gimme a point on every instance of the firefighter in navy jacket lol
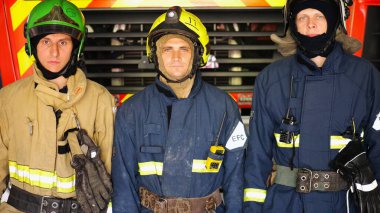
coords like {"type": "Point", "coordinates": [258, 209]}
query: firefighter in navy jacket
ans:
{"type": "Point", "coordinates": [179, 138]}
{"type": "Point", "coordinates": [306, 108]}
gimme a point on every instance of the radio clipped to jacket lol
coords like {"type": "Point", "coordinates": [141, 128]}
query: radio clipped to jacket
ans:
{"type": "Point", "coordinates": [216, 153]}
{"type": "Point", "coordinates": [215, 158]}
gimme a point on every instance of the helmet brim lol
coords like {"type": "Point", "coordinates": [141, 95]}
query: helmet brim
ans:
{"type": "Point", "coordinates": [51, 28]}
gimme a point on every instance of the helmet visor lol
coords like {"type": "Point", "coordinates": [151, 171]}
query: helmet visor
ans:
{"type": "Point", "coordinates": [53, 28]}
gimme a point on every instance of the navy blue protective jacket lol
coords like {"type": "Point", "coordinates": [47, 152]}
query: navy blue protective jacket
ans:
{"type": "Point", "coordinates": [324, 102]}
{"type": "Point", "coordinates": [161, 143]}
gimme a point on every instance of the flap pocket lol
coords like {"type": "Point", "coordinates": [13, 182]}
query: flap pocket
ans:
{"type": "Point", "coordinates": [151, 149]}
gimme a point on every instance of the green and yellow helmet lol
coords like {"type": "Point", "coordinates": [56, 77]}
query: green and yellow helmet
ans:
{"type": "Point", "coordinates": [178, 21]}
{"type": "Point", "coordinates": [55, 16]}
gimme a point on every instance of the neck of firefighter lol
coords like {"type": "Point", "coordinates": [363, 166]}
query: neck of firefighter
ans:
{"type": "Point", "coordinates": [181, 90]}
{"type": "Point", "coordinates": [319, 61]}
{"type": "Point", "coordinates": [60, 81]}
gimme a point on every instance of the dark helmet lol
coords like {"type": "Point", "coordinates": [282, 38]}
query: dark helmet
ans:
{"type": "Point", "coordinates": [335, 14]}
{"type": "Point", "coordinates": [344, 12]}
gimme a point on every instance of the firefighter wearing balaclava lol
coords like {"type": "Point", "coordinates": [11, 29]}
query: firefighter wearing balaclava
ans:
{"type": "Point", "coordinates": [180, 141]}
{"type": "Point", "coordinates": [316, 115]}
{"type": "Point", "coordinates": [48, 117]}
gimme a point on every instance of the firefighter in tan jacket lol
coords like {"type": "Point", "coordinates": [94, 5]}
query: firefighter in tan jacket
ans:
{"type": "Point", "coordinates": [40, 117]}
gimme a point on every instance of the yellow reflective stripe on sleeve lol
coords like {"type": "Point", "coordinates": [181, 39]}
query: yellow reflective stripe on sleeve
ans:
{"type": "Point", "coordinates": [199, 166]}
{"type": "Point", "coordinates": [338, 142]}
{"type": "Point", "coordinates": [287, 145]}
{"type": "Point", "coordinates": [40, 178]}
{"type": "Point", "coordinates": [256, 195]}
{"type": "Point", "coordinates": [151, 168]}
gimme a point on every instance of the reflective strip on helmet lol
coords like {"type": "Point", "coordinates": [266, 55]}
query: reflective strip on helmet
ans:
{"type": "Point", "coordinates": [199, 166]}
{"type": "Point", "coordinates": [256, 195]}
{"type": "Point", "coordinates": [150, 168]}
{"type": "Point", "coordinates": [367, 187]}
{"type": "Point", "coordinates": [40, 178]}
{"type": "Point", "coordinates": [287, 145]}
{"type": "Point", "coordinates": [338, 142]}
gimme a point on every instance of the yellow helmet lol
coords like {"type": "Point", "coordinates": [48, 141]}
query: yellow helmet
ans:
{"type": "Point", "coordinates": [178, 21]}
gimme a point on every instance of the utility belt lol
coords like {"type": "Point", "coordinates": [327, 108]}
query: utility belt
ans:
{"type": "Point", "coordinates": [305, 180]}
{"type": "Point", "coordinates": [28, 202]}
{"type": "Point", "coordinates": [184, 205]}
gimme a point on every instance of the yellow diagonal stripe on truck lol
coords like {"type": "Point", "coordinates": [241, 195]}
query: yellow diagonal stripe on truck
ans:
{"type": "Point", "coordinates": [24, 62]}
{"type": "Point", "coordinates": [276, 3]}
{"type": "Point", "coordinates": [20, 11]}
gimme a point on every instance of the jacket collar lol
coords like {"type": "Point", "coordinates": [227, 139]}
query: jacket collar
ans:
{"type": "Point", "coordinates": [168, 92]}
{"type": "Point", "coordinates": [331, 65]}
{"type": "Point", "coordinates": [49, 93]}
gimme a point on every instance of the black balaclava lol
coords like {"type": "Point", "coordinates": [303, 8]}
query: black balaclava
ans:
{"type": "Point", "coordinates": [320, 45]}
{"type": "Point", "coordinates": [68, 70]}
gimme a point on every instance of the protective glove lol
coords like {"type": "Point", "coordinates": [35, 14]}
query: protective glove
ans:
{"type": "Point", "coordinates": [92, 152]}
{"type": "Point", "coordinates": [93, 183]}
{"type": "Point", "coordinates": [352, 163]}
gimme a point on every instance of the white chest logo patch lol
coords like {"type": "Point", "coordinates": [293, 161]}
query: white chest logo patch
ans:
{"type": "Point", "coordinates": [238, 137]}
{"type": "Point", "coordinates": [376, 124]}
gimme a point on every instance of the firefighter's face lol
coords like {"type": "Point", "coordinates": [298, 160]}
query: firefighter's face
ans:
{"type": "Point", "coordinates": [175, 57]}
{"type": "Point", "coordinates": [311, 22]}
{"type": "Point", "coordinates": [54, 51]}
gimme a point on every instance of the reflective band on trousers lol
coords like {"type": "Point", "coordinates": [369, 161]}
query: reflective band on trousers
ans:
{"type": "Point", "coordinates": [199, 166]}
{"type": "Point", "coordinates": [287, 145]}
{"type": "Point", "coordinates": [40, 178]}
{"type": "Point", "coordinates": [151, 168]}
{"type": "Point", "coordinates": [256, 195]}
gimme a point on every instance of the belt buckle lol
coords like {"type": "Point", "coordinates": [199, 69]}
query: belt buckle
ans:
{"type": "Point", "coordinates": [160, 206]}
{"type": "Point", "coordinates": [210, 205]}
{"type": "Point", "coordinates": [44, 203]}
{"type": "Point", "coordinates": [304, 174]}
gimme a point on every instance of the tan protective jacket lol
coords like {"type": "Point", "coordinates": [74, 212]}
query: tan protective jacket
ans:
{"type": "Point", "coordinates": [30, 133]}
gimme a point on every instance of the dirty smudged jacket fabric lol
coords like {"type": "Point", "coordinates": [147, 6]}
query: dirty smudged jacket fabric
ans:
{"type": "Point", "coordinates": [167, 155]}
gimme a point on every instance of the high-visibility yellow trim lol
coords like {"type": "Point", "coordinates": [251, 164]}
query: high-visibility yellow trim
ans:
{"type": "Point", "coordinates": [276, 3]}
{"type": "Point", "coordinates": [151, 168]}
{"type": "Point", "coordinates": [338, 142]}
{"type": "Point", "coordinates": [199, 166]}
{"type": "Point", "coordinates": [256, 195]}
{"type": "Point", "coordinates": [40, 178]}
{"type": "Point", "coordinates": [24, 61]}
{"type": "Point", "coordinates": [287, 145]}
{"type": "Point", "coordinates": [109, 209]}
{"type": "Point", "coordinates": [20, 11]}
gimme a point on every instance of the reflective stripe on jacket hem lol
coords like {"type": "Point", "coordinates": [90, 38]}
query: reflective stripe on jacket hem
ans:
{"type": "Point", "coordinates": [40, 178]}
